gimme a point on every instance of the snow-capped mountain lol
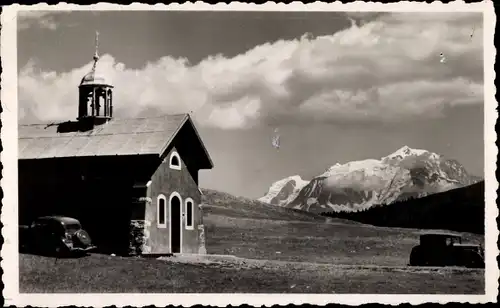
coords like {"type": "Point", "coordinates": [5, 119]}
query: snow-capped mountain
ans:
{"type": "Point", "coordinates": [361, 184]}
{"type": "Point", "coordinates": [284, 191]}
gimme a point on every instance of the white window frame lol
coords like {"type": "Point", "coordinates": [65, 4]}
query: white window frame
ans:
{"type": "Point", "coordinates": [172, 155]}
{"type": "Point", "coordinates": [192, 213]}
{"type": "Point", "coordinates": [165, 209]}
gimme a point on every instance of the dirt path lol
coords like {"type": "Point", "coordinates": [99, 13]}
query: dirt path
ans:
{"type": "Point", "coordinates": [228, 261]}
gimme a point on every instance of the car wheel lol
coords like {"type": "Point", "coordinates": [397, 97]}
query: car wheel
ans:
{"type": "Point", "coordinates": [416, 257]}
{"type": "Point", "coordinates": [61, 250]}
{"type": "Point", "coordinates": [82, 238]}
{"type": "Point", "coordinates": [474, 263]}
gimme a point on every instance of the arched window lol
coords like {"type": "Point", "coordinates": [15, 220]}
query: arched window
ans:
{"type": "Point", "coordinates": [90, 102]}
{"type": "Point", "coordinates": [109, 103]}
{"type": "Point", "coordinates": [189, 210]}
{"type": "Point", "coordinates": [101, 102]}
{"type": "Point", "coordinates": [175, 161]}
{"type": "Point", "coordinates": [161, 212]}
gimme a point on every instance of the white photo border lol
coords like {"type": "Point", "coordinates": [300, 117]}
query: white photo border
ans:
{"type": "Point", "coordinates": [9, 215]}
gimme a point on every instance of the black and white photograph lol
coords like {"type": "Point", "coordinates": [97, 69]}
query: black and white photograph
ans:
{"type": "Point", "coordinates": [280, 152]}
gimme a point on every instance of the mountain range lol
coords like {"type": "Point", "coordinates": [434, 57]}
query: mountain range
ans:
{"type": "Point", "coordinates": [359, 185]}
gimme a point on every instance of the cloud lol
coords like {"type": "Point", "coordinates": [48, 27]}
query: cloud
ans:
{"type": "Point", "coordinates": [41, 19]}
{"type": "Point", "coordinates": [386, 69]}
{"type": "Point", "coordinates": [360, 18]}
{"type": "Point", "coordinates": [357, 180]}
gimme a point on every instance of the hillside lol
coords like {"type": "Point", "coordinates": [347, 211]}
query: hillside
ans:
{"type": "Point", "coordinates": [221, 203]}
{"type": "Point", "coordinates": [251, 229]}
{"type": "Point", "coordinates": [359, 185]}
{"type": "Point", "coordinates": [460, 209]}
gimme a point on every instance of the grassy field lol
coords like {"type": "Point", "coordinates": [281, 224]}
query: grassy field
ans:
{"type": "Point", "coordinates": [251, 229]}
{"type": "Point", "coordinates": [275, 250]}
{"type": "Point", "coordinates": [106, 274]}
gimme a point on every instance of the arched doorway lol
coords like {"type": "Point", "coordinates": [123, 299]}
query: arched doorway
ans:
{"type": "Point", "coordinates": [175, 219]}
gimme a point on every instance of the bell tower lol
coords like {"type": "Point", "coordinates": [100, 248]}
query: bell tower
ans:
{"type": "Point", "coordinates": [95, 94]}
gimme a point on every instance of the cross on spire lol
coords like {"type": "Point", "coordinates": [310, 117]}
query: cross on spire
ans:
{"type": "Point", "coordinates": [95, 97]}
{"type": "Point", "coordinates": [96, 53]}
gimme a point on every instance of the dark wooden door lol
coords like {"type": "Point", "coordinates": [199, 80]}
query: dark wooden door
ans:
{"type": "Point", "coordinates": [175, 225]}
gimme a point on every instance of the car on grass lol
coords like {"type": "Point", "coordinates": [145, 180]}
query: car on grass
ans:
{"type": "Point", "coordinates": [446, 249]}
{"type": "Point", "coordinates": [55, 235]}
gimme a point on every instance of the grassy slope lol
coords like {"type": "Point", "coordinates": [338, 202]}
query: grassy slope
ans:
{"type": "Point", "coordinates": [251, 229]}
{"type": "Point", "coordinates": [220, 203]}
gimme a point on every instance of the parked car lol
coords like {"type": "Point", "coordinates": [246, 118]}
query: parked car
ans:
{"type": "Point", "coordinates": [59, 235]}
{"type": "Point", "coordinates": [446, 249]}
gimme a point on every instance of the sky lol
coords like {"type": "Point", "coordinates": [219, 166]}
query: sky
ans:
{"type": "Point", "coordinates": [335, 86]}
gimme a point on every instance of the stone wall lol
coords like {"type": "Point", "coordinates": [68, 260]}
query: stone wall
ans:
{"type": "Point", "coordinates": [202, 250]}
{"type": "Point", "coordinates": [139, 237]}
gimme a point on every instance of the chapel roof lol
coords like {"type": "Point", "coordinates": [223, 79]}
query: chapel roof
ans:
{"type": "Point", "coordinates": [135, 136]}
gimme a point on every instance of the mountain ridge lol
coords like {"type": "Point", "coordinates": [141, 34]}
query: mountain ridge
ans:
{"type": "Point", "coordinates": [358, 185]}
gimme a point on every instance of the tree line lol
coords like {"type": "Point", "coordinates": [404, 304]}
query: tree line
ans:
{"type": "Point", "coordinates": [460, 210]}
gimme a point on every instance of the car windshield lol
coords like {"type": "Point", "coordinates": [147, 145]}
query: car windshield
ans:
{"type": "Point", "coordinates": [453, 240]}
{"type": "Point", "coordinates": [72, 227]}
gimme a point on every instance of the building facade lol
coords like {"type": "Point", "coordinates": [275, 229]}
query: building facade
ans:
{"type": "Point", "coordinates": [132, 183]}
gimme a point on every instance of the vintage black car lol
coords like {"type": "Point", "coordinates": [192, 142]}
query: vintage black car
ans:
{"type": "Point", "coordinates": [55, 235]}
{"type": "Point", "coordinates": [446, 249]}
